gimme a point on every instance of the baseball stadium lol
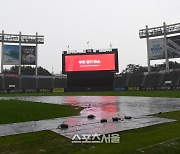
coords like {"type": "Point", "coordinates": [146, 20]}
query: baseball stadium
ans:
{"type": "Point", "coordinates": [91, 107]}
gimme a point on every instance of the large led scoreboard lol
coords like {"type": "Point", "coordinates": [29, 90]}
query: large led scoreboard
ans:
{"type": "Point", "coordinates": [90, 70]}
{"type": "Point", "coordinates": [93, 61]}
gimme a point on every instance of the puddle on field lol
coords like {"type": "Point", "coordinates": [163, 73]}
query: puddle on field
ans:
{"type": "Point", "coordinates": [102, 107]}
{"type": "Point", "coordinates": [108, 106]}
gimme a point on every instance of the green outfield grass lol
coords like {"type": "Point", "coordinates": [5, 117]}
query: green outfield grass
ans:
{"type": "Point", "coordinates": [12, 111]}
{"type": "Point", "coordinates": [175, 94]}
{"type": "Point", "coordinates": [133, 141]}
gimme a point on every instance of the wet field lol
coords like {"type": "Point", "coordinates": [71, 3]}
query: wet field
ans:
{"type": "Point", "coordinates": [102, 107]}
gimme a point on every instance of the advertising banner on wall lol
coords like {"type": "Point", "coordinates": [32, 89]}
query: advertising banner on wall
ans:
{"type": "Point", "coordinates": [10, 55]}
{"type": "Point", "coordinates": [156, 49]}
{"type": "Point", "coordinates": [173, 46]}
{"type": "Point", "coordinates": [28, 55]}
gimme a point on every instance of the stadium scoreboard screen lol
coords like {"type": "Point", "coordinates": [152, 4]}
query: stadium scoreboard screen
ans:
{"type": "Point", "coordinates": [90, 62]}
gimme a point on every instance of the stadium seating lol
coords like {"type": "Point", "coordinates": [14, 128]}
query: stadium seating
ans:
{"type": "Point", "coordinates": [152, 79]}
{"type": "Point", "coordinates": [120, 81]}
{"type": "Point", "coordinates": [1, 83]}
{"type": "Point", "coordinates": [59, 82]}
{"type": "Point", "coordinates": [135, 80]}
{"type": "Point", "coordinates": [28, 83]}
{"type": "Point", "coordinates": [10, 81]}
{"type": "Point", "coordinates": [44, 83]}
{"type": "Point", "coordinates": [172, 76]}
{"type": "Point", "coordinates": [92, 81]}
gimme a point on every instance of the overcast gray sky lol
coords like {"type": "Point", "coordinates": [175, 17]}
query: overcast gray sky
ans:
{"type": "Point", "coordinates": [101, 22]}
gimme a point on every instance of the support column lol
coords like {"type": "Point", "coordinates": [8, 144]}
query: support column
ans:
{"type": "Point", "coordinates": [36, 56]}
{"type": "Point", "coordinates": [165, 47]}
{"type": "Point", "coordinates": [2, 57]}
{"type": "Point", "coordinates": [19, 54]}
{"type": "Point", "coordinates": [19, 60]}
{"type": "Point", "coordinates": [148, 58]}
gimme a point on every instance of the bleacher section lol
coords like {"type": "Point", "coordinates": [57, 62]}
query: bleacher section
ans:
{"type": "Point", "coordinates": [31, 83]}
{"type": "Point", "coordinates": [45, 83]}
{"type": "Point", "coordinates": [10, 81]}
{"type": "Point", "coordinates": [152, 79]}
{"type": "Point", "coordinates": [172, 76]}
{"type": "Point", "coordinates": [1, 83]}
{"type": "Point", "coordinates": [60, 82]}
{"type": "Point", "coordinates": [120, 81]}
{"type": "Point", "coordinates": [135, 80]}
{"type": "Point", "coordinates": [90, 81]}
{"type": "Point", "coordinates": [28, 83]}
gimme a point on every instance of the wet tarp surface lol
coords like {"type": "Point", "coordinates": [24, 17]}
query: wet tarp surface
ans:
{"type": "Point", "coordinates": [102, 107]}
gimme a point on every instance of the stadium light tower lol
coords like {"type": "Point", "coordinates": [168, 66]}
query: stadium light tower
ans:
{"type": "Point", "coordinates": [23, 52]}
{"type": "Point", "coordinates": [155, 32]}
